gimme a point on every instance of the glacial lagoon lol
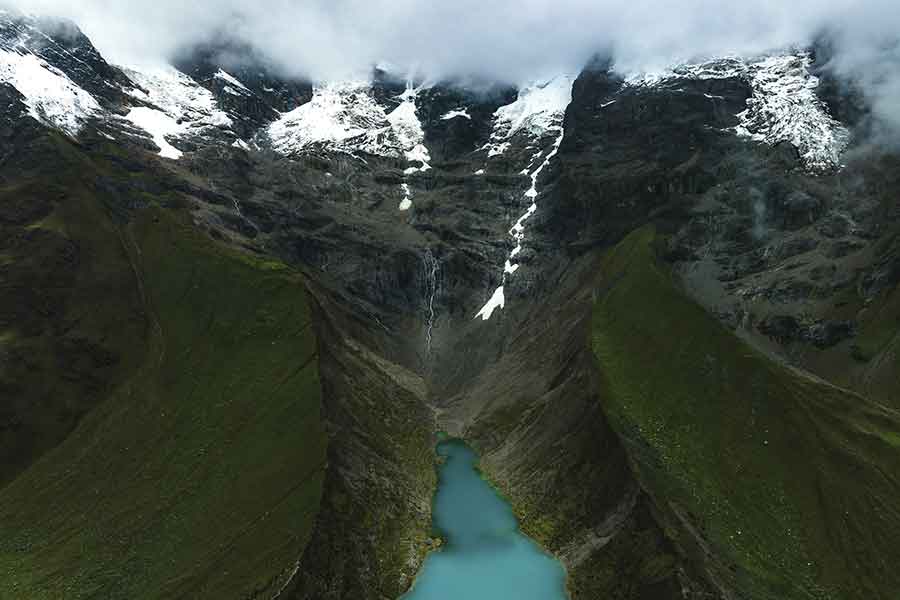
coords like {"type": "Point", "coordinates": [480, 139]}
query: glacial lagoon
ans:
{"type": "Point", "coordinates": [485, 556]}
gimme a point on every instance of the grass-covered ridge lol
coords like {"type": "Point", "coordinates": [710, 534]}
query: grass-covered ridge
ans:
{"type": "Point", "coordinates": [72, 324]}
{"type": "Point", "coordinates": [785, 487]}
{"type": "Point", "coordinates": [198, 473]}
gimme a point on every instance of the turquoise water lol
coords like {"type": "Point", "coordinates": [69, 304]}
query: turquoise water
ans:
{"type": "Point", "coordinates": [485, 556]}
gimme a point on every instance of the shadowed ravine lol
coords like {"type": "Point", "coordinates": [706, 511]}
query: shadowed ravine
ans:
{"type": "Point", "coordinates": [485, 556]}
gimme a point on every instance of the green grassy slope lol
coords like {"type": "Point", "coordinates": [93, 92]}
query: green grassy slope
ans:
{"type": "Point", "coordinates": [71, 320]}
{"type": "Point", "coordinates": [198, 474]}
{"type": "Point", "coordinates": [783, 486]}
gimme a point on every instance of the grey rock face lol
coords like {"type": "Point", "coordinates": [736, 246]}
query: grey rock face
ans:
{"type": "Point", "coordinates": [243, 83]}
{"type": "Point", "coordinates": [62, 44]}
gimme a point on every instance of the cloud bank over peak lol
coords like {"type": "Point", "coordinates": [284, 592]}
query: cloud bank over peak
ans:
{"type": "Point", "coordinates": [502, 39]}
{"type": "Point", "coordinates": [507, 41]}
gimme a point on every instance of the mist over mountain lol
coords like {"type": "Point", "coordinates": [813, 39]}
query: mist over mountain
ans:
{"type": "Point", "coordinates": [510, 41]}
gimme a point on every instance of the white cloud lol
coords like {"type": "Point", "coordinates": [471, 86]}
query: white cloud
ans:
{"type": "Point", "coordinates": [503, 40]}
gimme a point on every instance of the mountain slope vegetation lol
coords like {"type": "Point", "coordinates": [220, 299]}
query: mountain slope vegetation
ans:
{"type": "Point", "coordinates": [198, 471]}
{"type": "Point", "coordinates": [783, 485]}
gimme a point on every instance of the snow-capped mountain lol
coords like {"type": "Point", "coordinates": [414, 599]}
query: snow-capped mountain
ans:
{"type": "Point", "coordinates": [66, 83]}
{"type": "Point", "coordinates": [345, 117]}
{"type": "Point", "coordinates": [174, 106]}
{"type": "Point", "coordinates": [51, 75]}
{"type": "Point", "coordinates": [538, 108]}
{"type": "Point", "coordinates": [785, 108]}
{"type": "Point", "coordinates": [784, 105]}
{"type": "Point", "coordinates": [52, 98]}
{"type": "Point", "coordinates": [62, 46]}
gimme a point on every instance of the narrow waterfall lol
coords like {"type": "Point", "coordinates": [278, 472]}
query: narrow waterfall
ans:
{"type": "Point", "coordinates": [432, 267]}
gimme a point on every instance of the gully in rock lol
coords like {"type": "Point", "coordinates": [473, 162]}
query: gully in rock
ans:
{"type": "Point", "coordinates": [538, 110]}
{"type": "Point", "coordinates": [405, 122]}
{"type": "Point", "coordinates": [517, 231]}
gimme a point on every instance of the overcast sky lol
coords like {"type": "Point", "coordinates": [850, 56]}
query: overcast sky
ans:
{"type": "Point", "coordinates": [499, 39]}
{"type": "Point", "coordinates": [504, 40]}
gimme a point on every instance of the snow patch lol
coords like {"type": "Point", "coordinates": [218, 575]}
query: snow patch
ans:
{"type": "Point", "coordinates": [177, 95]}
{"type": "Point", "coordinates": [721, 68]}
{"type": "Point", "coordinates": [496, 149]}
{"type": "Point", "coordinates": [406, 203]}
{"type": "Point", "coordinates": [784, 107]}
{"type": "Point", "coordinates": [419, 154]}
{"type": "Point", "coordinates": [408, 128]}
{"type": "Point", "coordinates": [496, 301]}
{"type": "Point", "coordinates": [538, 108]}
{"type": "Point", "coordinates": [518, 229]}
{"type": "Point", "coordinates": [180, 106]}
{"type": "Point", "coordinates": [245, 91]}
{"type": "Point", "coordinates": [159, 125]}
{"type": "Point", "coordinates": [51, 97]}
{"type": "Point", "coordinates": [342, 116]}
{"type": "Point", "coordinates": [457, 112]}
{"type": "Point", "coordinates": [337, 112]}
